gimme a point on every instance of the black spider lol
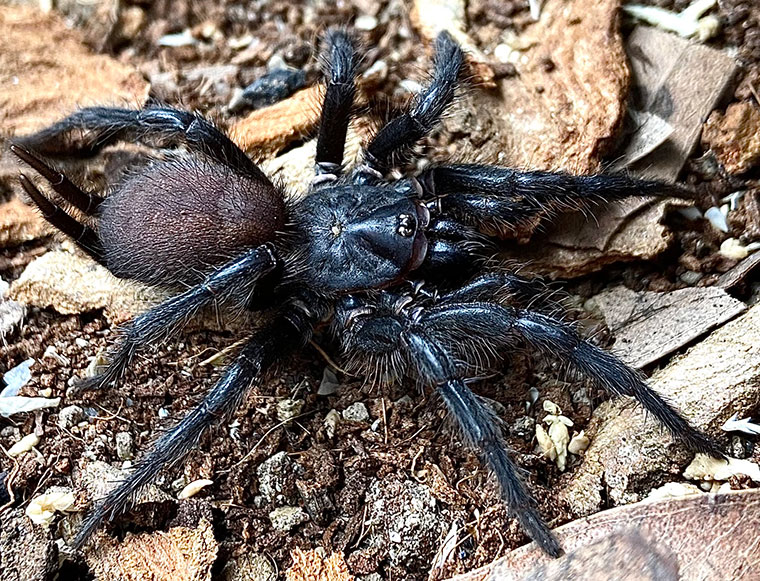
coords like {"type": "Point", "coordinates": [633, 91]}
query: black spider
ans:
{"type": "Point", "coordinates": [354, 251]}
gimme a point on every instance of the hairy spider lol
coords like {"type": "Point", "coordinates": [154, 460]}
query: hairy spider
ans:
{"type": "Point", "coordinates": [355, 252]}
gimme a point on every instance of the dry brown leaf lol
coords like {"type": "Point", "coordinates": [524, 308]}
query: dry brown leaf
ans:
{"type": "Point", "coordinates": [179, 554]}
{"type": "Point", "coordinates": [711, 537]}
{"type": "Point", "coordinates": [314, 566]}
{"type": "Point", "coordinates": [648, 326]}
{"type": "Point", "coordinates": [734, 137]}
{"type": "Point", "coordinates": [46, 72]}
{"type": "Point", "coordinates": [576, 244]}
{"type": "Point", "coordinates": [713, 380]}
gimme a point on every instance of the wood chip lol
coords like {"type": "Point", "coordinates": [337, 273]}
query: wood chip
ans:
{"type": "Point", "coordinates": [47, 72]}
{"type": "Point", "coordinates": [179, 554]}
{"type": "Point", "coordinates": [314, 566]}
{"type": "Point", "coordinates": [648, 326]}
{"type": "Point", "coordinates": [734, 137]}
{"type": "Point", "coordinates": [266, 131]}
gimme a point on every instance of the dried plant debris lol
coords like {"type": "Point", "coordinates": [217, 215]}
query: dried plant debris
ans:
{"type": "Point", "coordinates": [576, 244]}
{"type": "Point", "coordinates": [716, 378]}
{"type": "Point", "coordinates": [665, 539]}
{"type": "Point", "coordinates": [647, 326]}
{"type": "Point", "coordinates": [707, 468]}
{"type": "Point", "coordinates": [663, 69]}
{"type": "Point", "coordinates": [179, 554]}
{"type": "Point", "coordinates": [734, 136]}
{"type": "Point", "coordinates": [41, 509]}
{"type": "Point", "coordinates": [314, 565]}
{"type": "Point", "coordinates": [693, 21]}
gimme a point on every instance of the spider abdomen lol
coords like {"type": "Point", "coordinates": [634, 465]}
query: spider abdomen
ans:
{"type": "Point", "coordinates": [175, 221]}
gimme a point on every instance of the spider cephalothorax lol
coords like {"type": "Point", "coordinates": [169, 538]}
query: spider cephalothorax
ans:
{"type": "Point", "coordinates": [396, 265]}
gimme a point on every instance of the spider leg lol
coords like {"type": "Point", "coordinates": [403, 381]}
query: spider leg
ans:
{"type": "Point", "coordinates": [89, 130]}
{"type": "Point", "coordinates": [232, 281]}
{"type": "Point", "coordinates": [289, 331]}
{"type": "Point", "coordinates": [85, 202]}
{"type": "Point", "coordinates": [385, 328]}
{"type": "Point", "coordinates": [504, 199]}
{"type": "Point", "coordinates": [404, 131]}
{"type": "Point", "coordinates": [84, 236]}
{"type": "Point", "coordinates": [340, 70]}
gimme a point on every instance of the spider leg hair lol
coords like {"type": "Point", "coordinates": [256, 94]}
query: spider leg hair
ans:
{"type": "Point", "coordinates": [404, 131]}
{"type": "Point", "coordinates": [89, 130]}
{"type": "Point", "coordinates": [85, 202]}
{"type": "Point", "coordinates": [85, 237]}
{"type": "Point", "coordinates": [290, 331]}
{"type": "Point", "coordinates": [340, 70]}
{"type": "Point", "coordinates": [505, 199]}
{"type": "Point", "coordinates": [232, 281]}
{"type": "Point", "coordinates": [503, 326]}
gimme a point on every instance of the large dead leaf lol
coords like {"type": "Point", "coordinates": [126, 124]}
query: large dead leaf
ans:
{"type": "Point", "coordinates": [707, 537]}
{"type": "Point", "coordinates": [179, 554]}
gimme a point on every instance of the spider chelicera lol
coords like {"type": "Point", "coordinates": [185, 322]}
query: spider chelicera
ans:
{"type": "Point", "coordinates": [352, 254]}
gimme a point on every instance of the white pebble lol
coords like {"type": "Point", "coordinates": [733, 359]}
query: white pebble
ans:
{"type": "Point", "coordinates": [365, 22]}
{"type": "Point", "coordinates": [717, 219]}
{"type": "Point", "coordinates": [194, 488]}
{"type": "Point", "coordinates": [24, 445]}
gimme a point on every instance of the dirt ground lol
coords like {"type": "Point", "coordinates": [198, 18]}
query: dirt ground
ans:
{"type": "Point", "coordinates": [353, 479]}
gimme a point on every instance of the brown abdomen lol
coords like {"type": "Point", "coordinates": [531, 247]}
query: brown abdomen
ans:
{"type": "Point", "coordinates": [173, 222]}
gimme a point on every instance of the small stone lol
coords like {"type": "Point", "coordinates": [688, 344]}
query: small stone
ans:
{"type": "Point", "coordinates": [163, 413]}
{"type": "Point", "coordinates": [285, 518]}
{"type": "Point", "coordinates": [70, 416]}
{"type": "Point", "coordinates": [124, 446]}
{"type": "Point", "coordinates": [277, 481]}
{"type": "Point", "coordinates": [690, 277]}
{"type": "Point", "coordinates": [287, 409]}
{"type": "Point", "coordinates": [356, 412]}
{"type": "Point", "coordinates": [249, 567]}
{"type": "Point", "coordinates": [365, 22]}
{"type": "Point", "coordinates": [81, 342]}
{"type": "Point", "coordinates": [524, 427]}
{"type": "Point", "coordinates": [275, 86]}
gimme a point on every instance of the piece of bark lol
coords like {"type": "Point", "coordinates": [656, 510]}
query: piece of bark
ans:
{"type": "Point", "coordinates": [46, 72]}
{"type": "Point", "coordinates": [648, 326]}
{"type": "Point", "coordinates": [734, 137]}
{"type": "Point", "coordinates": [663, 72]}
{"type": "Point", "coordinates": [27, 552]}
{"type": "Point", "coordinates": [696, 537]}
{"type": "Point", "coordinates": [179, 554]}
{"type": "Point", "coordinates": [631, 452]}
{"type": "Point", "coordinates": [564, 109]}
{"type": "Point", "coordinates": [266, 131]}
{"type": "Point", "coordinates": [19, 223]}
